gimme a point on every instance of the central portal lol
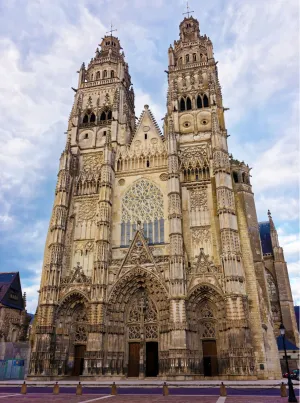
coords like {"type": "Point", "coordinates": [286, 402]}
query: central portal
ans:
{"type": "Point", "coordinates": [142, 331]}
{"type": "Point", "coordinates": [151, 358]}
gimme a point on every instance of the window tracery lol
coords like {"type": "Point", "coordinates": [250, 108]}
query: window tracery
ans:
{"type": "Point", "coordinates": [142, 318]}
{"type": "Point", "coordinates": [143, 202]}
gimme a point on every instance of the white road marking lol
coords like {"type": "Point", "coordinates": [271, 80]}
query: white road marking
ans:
{"type": "Point", "coordinates": [97, 398]}
{"type": "Point", "coordinates": [16, 394]}
{"type": "Point", "coordinates": [221, 399]}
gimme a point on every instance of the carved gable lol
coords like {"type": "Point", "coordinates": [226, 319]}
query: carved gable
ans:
{"type": "Point", "coordinates": [204, 271]}
{"type": "Point", "coordinates": [147, 130]}
{"type": "Point", "coordinates": [138, 254]}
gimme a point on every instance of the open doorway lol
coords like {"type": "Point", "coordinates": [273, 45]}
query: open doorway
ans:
{"type": "Point", "coordinates": [78, 359]}
{"type": "Point", "coordinates": [152, 358]}
{"type": "Point", "coordinates": [210, 357]}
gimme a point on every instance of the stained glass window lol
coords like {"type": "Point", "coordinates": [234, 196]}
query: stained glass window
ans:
{"type": "Point", "coordinates": [143, 202]}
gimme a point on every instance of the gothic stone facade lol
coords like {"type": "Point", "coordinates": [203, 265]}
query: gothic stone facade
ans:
{"type": "Point", "coordinates": [153, 263]}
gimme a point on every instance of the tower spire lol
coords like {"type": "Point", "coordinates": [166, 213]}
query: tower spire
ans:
{"type": "Point", "coordinates": [189, 11]}
{"type": "Point", "coordinates": [111, 30]}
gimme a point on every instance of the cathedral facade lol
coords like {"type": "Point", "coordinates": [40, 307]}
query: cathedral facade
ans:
{"type": "Point", "coordinates": [153, 263]}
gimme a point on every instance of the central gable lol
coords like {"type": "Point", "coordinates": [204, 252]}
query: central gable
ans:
{"type": "Point", "coordinates": [147, 130]}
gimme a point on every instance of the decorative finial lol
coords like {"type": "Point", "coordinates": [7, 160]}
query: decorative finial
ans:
{"type": "Point", "coordinates": [146, 106]}
{"type": "Point", "coordinates": [269, 214]}
{"type": "Point", "coordinates": [188, 12]}
{"type": "Point", "coordinates": [111, 30]}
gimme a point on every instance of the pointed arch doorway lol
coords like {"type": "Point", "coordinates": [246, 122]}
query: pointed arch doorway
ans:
{"type": "Point", "coordinates": [142, 336]}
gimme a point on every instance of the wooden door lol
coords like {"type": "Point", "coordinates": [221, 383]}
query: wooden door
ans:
{"type": "Point", "coordinates": [134, 359]}
{"type": "Point", "coordinates": [151, 358]}
{"type": "Point", "coordinates": [78, 360]}
{"type": "Point", "coordinates": [210, 357]}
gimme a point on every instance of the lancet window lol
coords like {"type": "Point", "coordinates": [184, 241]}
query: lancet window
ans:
{"type": "Point", "coordinates": [202, 101]}
{"type": "Point", "coordinates": [185, 104]}
{"type": "Point", "coordinates": [143, 202]}
{"type": "Point", "coordinates": [89, 118]}
{"type": "Point", "coordinates": [105, 116]}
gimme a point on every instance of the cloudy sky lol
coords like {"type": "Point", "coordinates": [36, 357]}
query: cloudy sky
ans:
{"type": "Point", "coordinates": [42, 45]}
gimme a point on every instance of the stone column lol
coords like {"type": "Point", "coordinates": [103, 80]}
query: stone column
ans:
{"type": "Point", "coordinates": [177, 350]}
{"type": "Point", "coordinates": [238, 351]}
{"type": "Point", "coordinates": [95, 345]}
{"type": "Point", "coordinates": [43, 359]}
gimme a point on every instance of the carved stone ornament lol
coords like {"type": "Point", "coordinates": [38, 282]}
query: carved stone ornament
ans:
{"type": "Point", "coordinates": [202, 265]}
{"type": "Point", "coordinates": [194, 157]}
{"type": "Point", "coordinates": [87, 210]}
{"type": "Point", "coordinates": [198, 198]}
{"type": "Point", "coordinates": [76, 276]}
{"type": "Point", "coordinates": [163, 177]}
{"type": "Point", "coordinates": [92, 162]}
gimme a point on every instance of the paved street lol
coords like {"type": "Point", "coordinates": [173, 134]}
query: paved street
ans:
{"type": "Point", "coordinates": [153, 394]}
{"type": "Point", "coordinates": [63, 398]}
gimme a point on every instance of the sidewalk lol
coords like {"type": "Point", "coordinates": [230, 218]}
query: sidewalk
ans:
{"type": "Point", "coordinates": [152, 382]}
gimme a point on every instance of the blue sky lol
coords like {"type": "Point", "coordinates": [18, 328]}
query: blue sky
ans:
{"type": "Point", "coordinates": [42, 45]}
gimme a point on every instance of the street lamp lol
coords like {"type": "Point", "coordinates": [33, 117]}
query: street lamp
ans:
{"type": "Point", "coordinates": [292, 397]}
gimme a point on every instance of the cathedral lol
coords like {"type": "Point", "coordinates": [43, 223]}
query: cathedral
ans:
{"type": "Point", "coordinates": [155, 264]}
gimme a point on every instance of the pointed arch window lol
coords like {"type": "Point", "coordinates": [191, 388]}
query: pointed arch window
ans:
{"type": "Point", "coordinates": [199, 102]}
{"type": "Point", "coordinates": [105, 116]}
{"type": "Point", "coordinates": [98, 75]}
{"type": "Point", "coordinates": [205, 101]}
{"type": "Point", "coordinates": [188, 104]}
{"type": "Point", "coordinates": [187, 58]}
{"type": "Point", "coordinates": [104, 73]}
{"type": "Point", "coordinates": [182, 105]}
{"type": "Point", "coordinates": [194, 57]}
{"type": "Point", "coordinates": [89, 118]}
{"type": "Point", "coordinates": [112, 74]}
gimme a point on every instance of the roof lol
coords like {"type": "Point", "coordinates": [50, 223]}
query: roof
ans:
{"type": "Point", "coordinates": [288, 344]}
{"type": "Point", "coordinates": [10, 290]}
{"type": "Point", "coordinates": [265, 237]}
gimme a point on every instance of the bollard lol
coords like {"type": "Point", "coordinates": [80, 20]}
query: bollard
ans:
{"type": "Point", "coordinates": [114, 389]}
{"type": "Point", "coordinates": [283, 390]}
{"type": "Point", "coordinates": [79, 389]}
{"type": "Point", "coordinates": [56, 389]}
{"type": "Point", "coordinates": [223, 391]}
{"type": "Point", "coordinates": [165, 389]}
{"type": "Point", "coordinates": [24, 388]}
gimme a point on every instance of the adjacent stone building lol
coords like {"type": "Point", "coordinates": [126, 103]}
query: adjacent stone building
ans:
{"type": "Point", "coordinates": [153, 263]}
{"type": "Point", "coordinates": [14, 320]}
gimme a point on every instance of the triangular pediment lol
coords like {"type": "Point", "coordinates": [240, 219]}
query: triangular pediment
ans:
{"type": "Point", "coordinates": [147, 130]}
{"type": "Point", "coordinates": [138, 253]}
{"type": "Point", "coordinates": [205, 271]}
{"type": "Point", "coordinates": [203, 265]}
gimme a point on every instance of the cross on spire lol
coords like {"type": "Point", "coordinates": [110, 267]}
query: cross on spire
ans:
{"type": "Point", "coordinates": [188, 12]}
{"type": "Point", "coordinates": [111, 30]}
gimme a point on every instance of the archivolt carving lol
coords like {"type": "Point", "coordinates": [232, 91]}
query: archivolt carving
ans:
{"type": "Point", "coordinates": [130, 283]}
